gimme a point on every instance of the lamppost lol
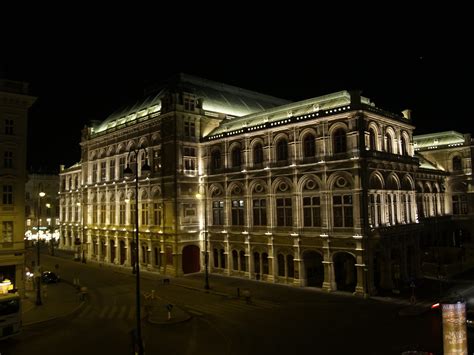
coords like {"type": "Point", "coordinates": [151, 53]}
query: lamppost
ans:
{"type": "Point", "coordinates": [206, 254]}
{"type": "Point", "coordinates": [128, 173]}
{"type": "Point", "coordinates": [79, 241]}
{"type": "Point", "coordinates": [50, 228]}
{"type": "Point", "coordinates": [38, 274]}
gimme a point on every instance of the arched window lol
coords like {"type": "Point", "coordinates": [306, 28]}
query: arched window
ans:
{"type": "Point", "coordinates": [388, 144]}
{"type": "Point", "coordinates": [309, 147]}
{"type": "Point", "coordinates": [339, 139]}
{"type": "Point", "coordinates": [281, 265]}
{"type": "Point", "coordinates": [282, 150]}
{"type": "Point", "coordinates": [257, 154]}
{"type": "Point", "coordinates": [404, 146]}
{"type": "Point", "coordinates": [243, 264]}
{"type": "Point", "coordinates": [457, 163]}
{"type": "Point", "coordinates": [372, 140]}
{"type": "Point", "coordinates": [236, 157]}
{"type": "Point", "coordinates": [235, 260]}
{"type": "Point", "coordinates": [215, 160]}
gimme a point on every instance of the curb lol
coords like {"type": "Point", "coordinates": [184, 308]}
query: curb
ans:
{"type": "Point", "coordinates": [63, 316]}
{"type": "Point", "coordinates": [171, 321]}
{"type": "Point", "coordinates": [76, 310]}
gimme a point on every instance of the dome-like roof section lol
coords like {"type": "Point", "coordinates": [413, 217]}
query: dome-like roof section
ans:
{"type": "Point", "coordinates": [215, 97]}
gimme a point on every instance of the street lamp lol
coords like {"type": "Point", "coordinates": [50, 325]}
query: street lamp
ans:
{"type": "Point", "coordinates": [206, 254]}
{"type": "Point", "coordinates": [38, 275]}
{"type": "Point", "coordinates": [79, 241]}
{"type": "Point", "coordinates": [128, 173]}
{"type": "Point", "coordinates": [50, 228]}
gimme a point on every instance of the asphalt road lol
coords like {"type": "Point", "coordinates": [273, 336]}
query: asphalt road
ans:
{"type": "Point", "coordinates": [280, 320]}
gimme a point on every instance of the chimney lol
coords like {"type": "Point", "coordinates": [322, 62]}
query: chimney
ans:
{"type": "Point", "coordinates": [407, 114]}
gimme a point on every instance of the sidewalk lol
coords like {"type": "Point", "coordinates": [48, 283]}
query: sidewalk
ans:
{"type": "Point", "coordinates": [59, 300]}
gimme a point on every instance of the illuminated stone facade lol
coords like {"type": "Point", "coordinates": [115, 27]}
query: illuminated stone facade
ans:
{"type": "Point", "coordinates": [319, 193]}
{"type": "Point", "coordinates": [14, 104]}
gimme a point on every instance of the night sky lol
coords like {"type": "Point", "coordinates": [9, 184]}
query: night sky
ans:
{"type": "Point", "coordinates": [89, 75]}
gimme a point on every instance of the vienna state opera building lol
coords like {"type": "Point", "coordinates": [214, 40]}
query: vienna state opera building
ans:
{"type": "Point", "coordinates": [330, 192]}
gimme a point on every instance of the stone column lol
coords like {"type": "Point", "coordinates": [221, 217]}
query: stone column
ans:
{"type": "Point", "coordinates": [299, 276]}
{"type": "Point", "coordinates": [329, 283]}
{"type": "Point", "coordinates": [271, 277]}
{"type": "Point", "coordinates": [128, 253]}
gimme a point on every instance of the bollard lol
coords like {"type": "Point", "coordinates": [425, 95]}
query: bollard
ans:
{"type": "Point", "coordinates": [169, 307]}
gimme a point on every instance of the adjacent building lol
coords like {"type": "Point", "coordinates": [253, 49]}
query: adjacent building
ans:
{"type": "Point", "coordinates": [42, 213]}
{"type": "Point", "coordinates": [14, 104]}
{"type": "Point", "coordinates": [323, 192]}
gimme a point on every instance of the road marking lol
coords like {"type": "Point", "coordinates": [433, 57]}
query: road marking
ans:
{"type": "Point", "coordinates": [103, 312]}
{"type": "Point", "coordinates": [122, 312]}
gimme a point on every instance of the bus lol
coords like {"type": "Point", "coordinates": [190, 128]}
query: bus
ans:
{"type": "Point", "coordinates": [10, 315]}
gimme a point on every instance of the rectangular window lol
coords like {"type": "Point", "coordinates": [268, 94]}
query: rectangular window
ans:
{"type": "Point", "coordinates": [9, 127]}
{"type": "Point", "coordinates": [312, 211]}
{"type": "Point", "coordinates": [189, 129]}
{"type": "Point", "coordinates": [459, 204]}
{"type": "Point", "coordinates": [189, 158]}
{"type": "Point", "coordinates": [7, 194]}
{"type": "Point", "coordinates": [157, 214]}
{"type": "Point", "coordinates": [94, 214]}
{"type": "Point", "coordinates": [145, 214]}
{"type": "Point", "coordinates": [122, 214]}
{"type": "Point", "coordinates": [342, 211]}
{"type": "Point", "coordinates": [94, 173]}
{"type": "Point", "coordinates": [237, 212]}
{"type": "Point", "coordinates": [188, 104]}
{"type": "Point", "coordinates": [76, 213]}
{"type": "Point", "coordinates": [103, 169]}
{"type": "Point", "coordinates": [8, 160]}
{"type": "Point", "coordinates": [121, 167]}
{"type": "Point", "coordinates": [218, 213]}
{"type": "Point", "coordinates": [112, 169]}
{"type": "Point", "coordinates": [259, 212]}
{"type": "Point", "coordinates": [112, 212]}
{"type": "Point", "coordinates": [102, 213]}
{"type": "Point", "coordinates": [284, 212]}
{"type": "Point", "coordinates": [7, 231]}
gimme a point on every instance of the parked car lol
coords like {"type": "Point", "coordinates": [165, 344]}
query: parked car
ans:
{"type": "Point", "coordinates": [49, 277]}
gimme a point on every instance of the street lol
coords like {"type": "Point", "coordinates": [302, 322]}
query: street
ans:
{"type": "Point", "coordinates": [279, 319]}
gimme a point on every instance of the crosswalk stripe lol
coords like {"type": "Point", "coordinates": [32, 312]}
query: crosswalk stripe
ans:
{"type": "Point", "coordinates": [103, 312]}
{"type": "Point", "coordinates": [112, 312]}
{"type": "Point", "coordinates": [86, 311]}
{"type": "Point", "coordinates": [131, 313]}
{"type": "Point", "coordinates": [122, 312]}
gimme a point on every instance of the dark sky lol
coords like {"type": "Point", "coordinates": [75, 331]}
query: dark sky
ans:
{"type": "Point", "coordinates": [87, 74]}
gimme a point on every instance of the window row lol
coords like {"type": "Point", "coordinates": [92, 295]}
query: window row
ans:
{"type": "Point", "coordinates": [342, 212]}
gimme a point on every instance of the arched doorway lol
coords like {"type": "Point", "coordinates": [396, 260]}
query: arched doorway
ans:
{"type": "Point", "coordinates": [314, 269]}
{"type": "Point", "coordinates": [123, 252]}
{"type": "Point", "coordinates": [191, 261]}
{"type": "Point", "coordinates": [345, 271]}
